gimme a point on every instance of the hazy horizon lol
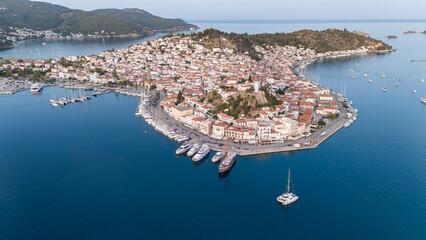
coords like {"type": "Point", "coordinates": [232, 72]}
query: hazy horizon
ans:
{"type": "Point", "coordinates": [268, 10]}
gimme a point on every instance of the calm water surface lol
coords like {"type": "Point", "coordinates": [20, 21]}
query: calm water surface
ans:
{"type": "Point", "coordinates": [89, 170]}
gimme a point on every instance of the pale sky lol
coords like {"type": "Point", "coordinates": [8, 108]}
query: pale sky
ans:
{"type": "Point", "coordinates": [264, 9]}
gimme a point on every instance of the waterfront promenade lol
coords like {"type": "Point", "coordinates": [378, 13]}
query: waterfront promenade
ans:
{"type": "Point", "coordinates": [244, 149]}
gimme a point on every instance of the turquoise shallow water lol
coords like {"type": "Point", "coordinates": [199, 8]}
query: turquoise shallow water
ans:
{"type": "Point", "coordinates": [89, 170]}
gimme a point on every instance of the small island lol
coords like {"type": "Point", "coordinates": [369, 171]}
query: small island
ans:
{"type": "Point", "coordinates": [391, 37]}
{"type": "Point", "coordinates": [410, 32]}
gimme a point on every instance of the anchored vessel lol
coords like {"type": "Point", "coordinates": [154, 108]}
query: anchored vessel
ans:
{"type": "Point", "coordinates": [204, 150]}
{"type": "Point", "coordinates": [227, 162]}
{"type": "Point", "coordinates": [288, 197]}
{"type": "Point", "coordinates": [183, 148]}
{"type": "Point", "coordinates": [217, 157]}
{"type": "Point", "coordinates": [193, 150]}
{"type": "Point", "coordinates": [36, 87]}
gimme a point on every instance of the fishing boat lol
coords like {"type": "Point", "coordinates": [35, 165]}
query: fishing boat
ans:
{"type": "Point", "coordinates": [288, 197]}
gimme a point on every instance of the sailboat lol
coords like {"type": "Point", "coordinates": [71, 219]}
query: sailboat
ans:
{"type": "Point", "coordinates": [384, 88]}
{"type": "Point", "coordinates": [288, 197]}
{"type": "Point", "coordinates": [397, 83]}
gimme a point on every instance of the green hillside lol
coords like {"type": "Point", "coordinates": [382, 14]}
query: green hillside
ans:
{"type": "Point", "coordinates": [46, 16]}
{"type": "Point", "coordinates": [320, 41]}
{"type": "Point", "coordinates": [146, 19]}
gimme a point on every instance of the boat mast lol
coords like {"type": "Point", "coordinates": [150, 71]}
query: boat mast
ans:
{"type": "Point", "coordinates": [288, 181]}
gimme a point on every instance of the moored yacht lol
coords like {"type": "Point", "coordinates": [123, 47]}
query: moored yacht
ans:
{"type": "Point", "coordinates": [183, 148]}
{"type": "Point", "coordinates": [36, 87]}
{"type": "Point", "coordinates": [204, 150]}
{"type": "Point", "coordinates": [288, 197]}
{"type": "Point", "coordinates": [217, 157]}
{"type": "Point", "coordinates": [193, 150]}
{"type": "Point", "coordinates": [423, 100]}
{"type": "Point", "coordinates": [227, 162]}
{"type": "Point", "coordinates": [182, 138]}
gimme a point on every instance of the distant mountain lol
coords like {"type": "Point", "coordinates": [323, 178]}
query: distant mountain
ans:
{"type": "Point", "coordinates": [146, 19]}
{"type": "Point", "coordinates": [44, 16]}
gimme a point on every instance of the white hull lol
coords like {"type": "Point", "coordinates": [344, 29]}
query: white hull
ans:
{"type": "Point", "coordinates": [204, 150]}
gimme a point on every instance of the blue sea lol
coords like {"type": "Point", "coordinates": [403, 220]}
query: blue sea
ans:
{"type": "Point", "coordinates": [93, 170]}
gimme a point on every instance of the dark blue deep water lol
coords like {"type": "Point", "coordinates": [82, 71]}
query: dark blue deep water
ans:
{"type": "Point", "coordinates": [89, 170]}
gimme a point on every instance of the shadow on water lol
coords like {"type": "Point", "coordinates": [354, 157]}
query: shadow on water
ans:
{"type": "Point", "coordinates": [198, 163]}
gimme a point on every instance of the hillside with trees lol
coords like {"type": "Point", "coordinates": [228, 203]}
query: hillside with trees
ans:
{"type": "Point", "coordinates": [45, 16]}
{"type": "Point", "coordinates": [320, 41]}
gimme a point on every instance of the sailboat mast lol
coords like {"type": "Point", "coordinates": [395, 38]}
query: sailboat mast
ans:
{"type": "Point", "coordinates": [288, 181]}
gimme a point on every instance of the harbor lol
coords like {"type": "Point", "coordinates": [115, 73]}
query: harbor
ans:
{"type": "Point", "coordinates": [97, 163]}
{"type": "Point", "coordinates": [174, 130]}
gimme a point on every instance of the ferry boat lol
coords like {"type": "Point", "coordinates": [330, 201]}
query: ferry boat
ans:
{"type": "Point", "coordinates": [183, 148]}
{"type": "Point", "coordinates": [193, 150]}
{"type": "Point", "coordinates": [227, 162]}
{"type": "Point", "coordinates": [204, 150]}
{"type": "Point", "coordinates": [217, 157]}
{"type": "Point", "coordinates": [288, 197]}
{"type": "Point", "coordinates": [36, 87]}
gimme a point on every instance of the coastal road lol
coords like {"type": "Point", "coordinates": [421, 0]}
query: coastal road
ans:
{"type": "Point", "coordinates": [247, 149]}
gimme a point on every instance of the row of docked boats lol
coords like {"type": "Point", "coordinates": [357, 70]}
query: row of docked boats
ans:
{"type": "Point", "coordinates": [143, 110]}
{"type": "Point", "coordinates": [73, 97]}
{"type": "Point", "coordinates": [128, 92]}
{"type": "Point", "coordinates": [198, 152]}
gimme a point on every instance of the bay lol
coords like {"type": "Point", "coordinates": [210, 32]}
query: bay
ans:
{"type": "Point", "coordinates": [89, 170]}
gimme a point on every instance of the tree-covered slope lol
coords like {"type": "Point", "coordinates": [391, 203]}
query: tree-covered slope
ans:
{"type": "Point", "coordinates": [46, 16]}
{"type": "Point", "coordinates": [320, 41]}
{"type": "Point", "coordinates": [145, 19]}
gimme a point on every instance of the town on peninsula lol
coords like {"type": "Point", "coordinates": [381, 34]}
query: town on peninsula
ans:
{"type": "Point", "coordinates": [213, 86]}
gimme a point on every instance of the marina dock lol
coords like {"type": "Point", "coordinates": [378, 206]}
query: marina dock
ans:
{"type": "Point", "coordinates": [159, 119]}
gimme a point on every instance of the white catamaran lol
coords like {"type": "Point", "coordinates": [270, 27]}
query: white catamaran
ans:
{"type": "Point", "coordinates": [288, 197]}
